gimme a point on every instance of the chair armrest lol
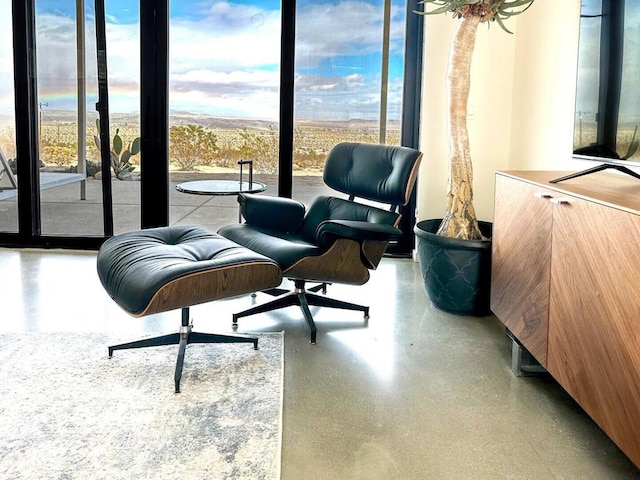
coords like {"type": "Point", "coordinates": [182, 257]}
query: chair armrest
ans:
{"type": "Point", "coordinates": [329, 230]}
{"type": "Point", "coordinates": [273, 213]}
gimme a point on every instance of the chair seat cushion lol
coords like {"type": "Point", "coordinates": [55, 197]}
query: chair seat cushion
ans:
{"type": "Point", "coordinates": [164, 268]}
{"type": "Point", "coordinates": [285, 249]}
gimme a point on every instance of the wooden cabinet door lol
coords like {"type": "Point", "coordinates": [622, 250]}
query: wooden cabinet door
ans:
{"type": "Point", "coordinates": [521, 258]}
{"type": "Point", "coordinates": [594, 324]}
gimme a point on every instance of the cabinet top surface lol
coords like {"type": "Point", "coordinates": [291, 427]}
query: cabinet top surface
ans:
{"type": "Point", "coordinates": [607, 188]}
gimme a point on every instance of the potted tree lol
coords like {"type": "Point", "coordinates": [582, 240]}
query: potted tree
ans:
{"type": "Point", "coordinates": [455, 251]}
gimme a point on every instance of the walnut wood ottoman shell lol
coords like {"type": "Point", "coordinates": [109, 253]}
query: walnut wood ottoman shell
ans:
{"type": "Point", "coordinates": [159, 269]}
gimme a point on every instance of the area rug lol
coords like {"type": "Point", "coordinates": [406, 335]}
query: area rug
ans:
{"type": "Point", "coordinates": [68, 412]}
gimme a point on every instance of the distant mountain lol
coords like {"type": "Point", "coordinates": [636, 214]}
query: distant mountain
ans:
{"type": "Point", "coordinates": [184, 118]}
{"type": "Point", "coordinates": [209, 121]}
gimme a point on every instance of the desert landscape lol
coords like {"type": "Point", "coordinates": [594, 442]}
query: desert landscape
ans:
{"type": "Point", "coordinates": [200, 142]}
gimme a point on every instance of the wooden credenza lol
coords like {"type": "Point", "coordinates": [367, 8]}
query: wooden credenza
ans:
{"type": "Point", "coordinates": [566, 283]}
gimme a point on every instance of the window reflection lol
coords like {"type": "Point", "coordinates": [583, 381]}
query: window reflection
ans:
{"type": "Point", "coordinates": [8, 181]}
{"type": "Point", "coordinates": [607, 111]}
{"type": "Point", "coordinates": [339, 82]}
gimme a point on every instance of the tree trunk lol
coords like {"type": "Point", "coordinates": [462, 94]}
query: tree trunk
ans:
{"type": "Point", "coordinates": [459, 220]}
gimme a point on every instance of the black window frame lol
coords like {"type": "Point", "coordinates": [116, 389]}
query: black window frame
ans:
{"type": "Point", "coordinates": [154, 91]}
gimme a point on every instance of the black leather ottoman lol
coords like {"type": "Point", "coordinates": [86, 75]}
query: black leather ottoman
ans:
{"type": "Point", "coordinates": [159, 269]}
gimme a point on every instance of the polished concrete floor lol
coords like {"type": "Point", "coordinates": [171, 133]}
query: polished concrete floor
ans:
{"type": "Point", "coordinates": [413, 394]}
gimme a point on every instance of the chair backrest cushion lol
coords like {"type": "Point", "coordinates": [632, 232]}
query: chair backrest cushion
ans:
{"type": "Point", "coordinates": [382, 173]}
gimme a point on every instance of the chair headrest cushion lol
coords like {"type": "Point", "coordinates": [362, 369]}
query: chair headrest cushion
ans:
{"type": "Point", "coordinates": [382, 173]}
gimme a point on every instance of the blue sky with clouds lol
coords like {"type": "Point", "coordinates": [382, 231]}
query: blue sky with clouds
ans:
{"type": "Point", "coordinates": [224, 57]}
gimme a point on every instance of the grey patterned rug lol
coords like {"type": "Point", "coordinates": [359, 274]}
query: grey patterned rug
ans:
{"type": "Point", "coordinates": [67, 411]}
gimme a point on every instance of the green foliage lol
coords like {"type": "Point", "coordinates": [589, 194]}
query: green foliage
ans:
{"type": "Point", "coordinates": [487, 10]}
{"type": "Point", "coordinates": [311, 144]}
{"type": "Point", "coordinates": [120, 158]}
{"type": "Point", "coordinates": [261, 147]}
{"type": "Point", "coordinates": [192, 145]}
{"type": "Point", "coordinates": [55, 153]}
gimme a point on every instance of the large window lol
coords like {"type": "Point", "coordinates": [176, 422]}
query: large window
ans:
{"type": "Point", "coordinates": [348, 86]}
{"type": "Point", "coordinates": [273, 83]}
{"type": "Point", "coordinates": [70, 197]}
{"type": "Point", "coordinates": [224, 99]}
{"type": "Point", "coordinates": [8, 183]}
{"type": "Point", "coordinates": [62, 125]}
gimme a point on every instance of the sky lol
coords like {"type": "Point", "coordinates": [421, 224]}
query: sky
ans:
{"type": "Point", "coordinates": [224, 57]}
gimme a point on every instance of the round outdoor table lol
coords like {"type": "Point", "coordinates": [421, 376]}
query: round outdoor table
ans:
{"type": "Point", "coordinates": [221, 187]}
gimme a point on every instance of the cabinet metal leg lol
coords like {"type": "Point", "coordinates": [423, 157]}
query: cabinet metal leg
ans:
{"type": "Point", "coordinates": [522, 362]}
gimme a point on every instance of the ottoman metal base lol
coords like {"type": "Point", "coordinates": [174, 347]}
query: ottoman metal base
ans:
{"type": "Point", "coordinates": [184, 337]}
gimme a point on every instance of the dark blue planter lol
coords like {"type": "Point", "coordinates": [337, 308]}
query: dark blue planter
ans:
{"type": "Point", "coordinates": [456, 273]}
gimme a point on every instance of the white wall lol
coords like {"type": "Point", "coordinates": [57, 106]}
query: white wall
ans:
{"type": "Point", "coordinates": [544, 87]}
{"type": "Point", "coordinates": [521, 101]}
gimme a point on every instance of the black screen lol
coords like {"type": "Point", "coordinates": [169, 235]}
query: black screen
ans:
{"type": "Point", "coordinates": [607, 113]}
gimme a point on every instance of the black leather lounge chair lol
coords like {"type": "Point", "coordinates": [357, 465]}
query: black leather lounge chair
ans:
{"type": "Point", "coordinates": [336, 239]}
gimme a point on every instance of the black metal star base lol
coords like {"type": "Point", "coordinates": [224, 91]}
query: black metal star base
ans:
{"type": "Point", "coordinates": [185, 336]}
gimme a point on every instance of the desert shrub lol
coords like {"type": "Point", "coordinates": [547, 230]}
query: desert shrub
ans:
{"type": "Point", "coordinates": [228, 158]}
{"type": "Point", "coordinates": [191, 145]}
{"type": "Point", "coordinates": [262, 148]}
{"type": "Point", "coordinates": [59, 153]}
{"type": "Point", "coordinates": [309, 160]}
{"type": "Point", "coordinates": [8, 140]}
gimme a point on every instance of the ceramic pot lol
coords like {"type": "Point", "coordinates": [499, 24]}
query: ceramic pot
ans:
{"type": "Point", "coordinates": [456, 273]}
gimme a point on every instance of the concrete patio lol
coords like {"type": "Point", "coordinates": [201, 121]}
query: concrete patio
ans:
{"type": "Point", "coordinates": [64, 213]}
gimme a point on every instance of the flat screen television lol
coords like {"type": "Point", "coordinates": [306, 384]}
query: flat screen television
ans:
{"type": "Point", "coordinates": [607, 112]}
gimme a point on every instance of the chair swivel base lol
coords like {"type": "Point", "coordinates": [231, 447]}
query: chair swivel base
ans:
{"type": "Point", "coordinates": [276, 292]}
{"type": "Point", "coordinates": [303, 299]}
{"type": "Point", "coordinates": [185, 336]}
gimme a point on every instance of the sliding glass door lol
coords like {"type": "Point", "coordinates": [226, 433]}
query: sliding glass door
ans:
{"type": "Point", "coordinates": [348, 82]}
{"type": "Point", "coordinates": [350, 68]}
{"type": "Point", "coordinates": [224, 92]}
{"type": "Point", "coordinates": [71, 195]}
{"type": "Point", "coordinates": [59, 195]}
{"type": "Point", "coordinates": [262, 87]}
{"type": "Point", "coordinates": [62, 119]}
{"type": "Point", "coordinates": [8, 180]}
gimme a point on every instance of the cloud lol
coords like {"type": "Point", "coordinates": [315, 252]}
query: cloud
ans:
{"type": "Point", "coordinates": [225, 61]}
{"type": "Point", "coordinates": [346, 28]}
{"type": "Point", "coordinates": [230, 37]}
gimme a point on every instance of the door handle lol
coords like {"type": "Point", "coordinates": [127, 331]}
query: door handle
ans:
{"type": "Point", "coordinates": [542, 195]}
